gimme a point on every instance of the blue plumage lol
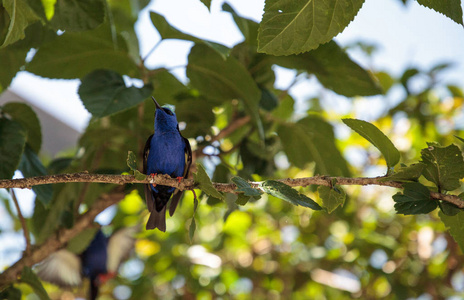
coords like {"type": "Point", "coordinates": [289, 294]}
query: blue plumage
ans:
{"type": "Point", "coordinates": [166, 152]}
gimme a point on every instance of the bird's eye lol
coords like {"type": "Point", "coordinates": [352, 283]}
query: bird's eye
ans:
{"type": "Point", "coordinates": [168, 111]}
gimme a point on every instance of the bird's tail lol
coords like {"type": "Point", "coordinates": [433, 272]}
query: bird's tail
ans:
{"type": "Point", "coordinates": [93, 292]}
{"type": "Point", "coordinates": [157, 220]}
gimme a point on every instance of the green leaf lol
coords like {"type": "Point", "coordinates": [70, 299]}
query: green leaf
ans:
{"type": "Point", "coordinates": [167, 31]}
{"type": "Point", "coordinates": [30, 165]}
{"type": "Point", "coordinates": [247, 27]}
{"type": "Point", "coordinates": [269, 100]}
{"type": "Point", "coordinates": [405, 174]}
{"type": "Point", "coordinates": [224, 80]}
{"type": "Point", "coordinates": [12, 59]}
{"type": "Point", "coordinates": [334, 69]}
{"type": "Point", "coordinates": [459, 138]}
{"type": "Point", "coordinates": [284, 192]}
{"type": "Point", "coordinates": [11, 293]}
{"type": "Point", "coordinates": [207, 3]}
{"type": "Point", "coordinates": [30, 278]}
{"type": "Point", "coordinates": [166, 86]}
{"type": "Point", "coordinates": [448, 208]}
{"type": "Point", "coordinates": [76, 54]}
{"type": "Point", "coordinates": [414, 200]}
{"type": "Point", "coordinates": [12, 143]}
{"type": "Point", "coordinates": [192, 228]}
{"type": "Point", "coordinates": [25, 115]}
{"type": "Point", "coordinates": [455, 225]}
{"type": "Point", "coordinates": [292, 27]}
{"type": "Point", "coordinates": [72, 15]}
{"type": "Point", "coordinates": [444, 166]}
{"type": "Point", "coordinates": [198, 115]}
{"type": "Point", "coordinates": [242, 199]}
{"type": "Point", "coordinates": [204, 183]}
{"type": "Point", "coordinates": [376, 138]}
{"type": "Point", "coordinates": [80, 242]}
{"type": "Point", "coordinates": [132, 164]}
{"type": "Point", "coordinates": [48, 220]}
{"type": "Point", "coordinates": [285, 109]}
{"type": "Point", "coordinates": [20, 16]}
{"type": "Point", "coordinates": [103, 92]}
{"type": "Point", "coordinates": [312, 140]}
{"type": "Point", "coordinates": [331, 197]}
{"type": "Point", "coordinates": [244, 187]}
{"type": "Point", "coordinates": [450, 8]}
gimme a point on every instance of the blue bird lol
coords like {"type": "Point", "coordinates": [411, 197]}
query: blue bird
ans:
{"type": "Point", "coordinates": [166, 152]}
{"type": "Point", "coordinates": [99, 261]}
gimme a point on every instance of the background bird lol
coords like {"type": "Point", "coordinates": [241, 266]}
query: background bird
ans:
{"type": "Point", "coordinates": [166, 152]}
{"type": "Point", "coordinates": [99, 262]}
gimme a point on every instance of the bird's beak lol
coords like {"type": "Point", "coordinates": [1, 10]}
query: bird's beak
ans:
{"type": "Point", "coordinates": [156, 103]}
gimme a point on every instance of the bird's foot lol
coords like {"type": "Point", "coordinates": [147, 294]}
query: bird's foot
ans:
{"type": "Point", "coordinates": [153, 177]}
{"type": "Point", "coordinates": [179, 179]}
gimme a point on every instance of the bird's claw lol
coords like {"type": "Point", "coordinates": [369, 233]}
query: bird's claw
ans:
{"type": "Point", "coordinates": [179, 179]}
{"type": "Point", "coordinates": [153, 177]}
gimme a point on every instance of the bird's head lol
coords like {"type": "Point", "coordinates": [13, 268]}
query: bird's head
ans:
{"type": "Point", "coordinates": [165, 118]}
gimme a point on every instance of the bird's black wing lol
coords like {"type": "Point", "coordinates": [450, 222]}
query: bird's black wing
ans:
{"type": "Point", "coordinates": [188, 162]}
{"type": "Point", "coordinates": [149, 199]}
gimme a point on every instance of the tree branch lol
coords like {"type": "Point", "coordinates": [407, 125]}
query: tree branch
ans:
{"type": "Point", "coordinates": [188, 184]}
{"type": "Point", "coordinates": [23, 222]}
{"type": "Point", "coordinates": [57, 241]}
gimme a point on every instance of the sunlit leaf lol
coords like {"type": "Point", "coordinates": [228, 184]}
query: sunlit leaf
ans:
{"type": "Point", "coordinates": [282, 191]}
{"type": "Point", "coordinates": [376, 138]}
{"type": "Point", "coordinates": [414, 200]}
{"type": "Point", "coordinates": [205, 184]}
{"type": "Point", "coordinates": [19, 16]}
{"type": "Point", "coordinates": [292, 27]}
{"type": "Point", "coordinates": [444, 166]}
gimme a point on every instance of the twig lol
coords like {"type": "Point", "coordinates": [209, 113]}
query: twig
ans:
{"type": "Point", "coordinates": [234, 125]}
{"type": "Point", "coordinates": [23, 222]}
{"type": "Point", "coordinates": [57, 241]}
{"type": "Point", "coordinates": [188, 184]}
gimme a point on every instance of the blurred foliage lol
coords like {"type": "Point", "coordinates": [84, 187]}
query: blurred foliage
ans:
{"type": "Point", "coordinates": [249, 245]}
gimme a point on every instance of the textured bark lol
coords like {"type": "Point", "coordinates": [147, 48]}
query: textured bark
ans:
{"type": "Point", "coordinates": [188, 184]}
